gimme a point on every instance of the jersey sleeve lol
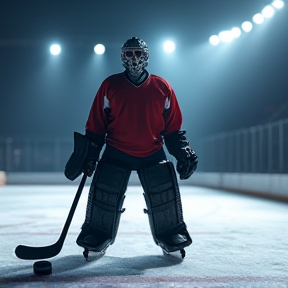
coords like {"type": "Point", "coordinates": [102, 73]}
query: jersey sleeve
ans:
{"type": "Point", "coordinates": [97, 119]}
{"type": "Point", "coordinates": [172, 114]}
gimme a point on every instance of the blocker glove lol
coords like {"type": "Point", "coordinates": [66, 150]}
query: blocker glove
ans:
{"type": "Point", "coordinates": [91, 158]}
{"type": "Point", "coordinates": [178, 146]}
{"type": "Point", "coordinates": [93, 152]}
{"type": "Point", "coordinates": [86, 153]}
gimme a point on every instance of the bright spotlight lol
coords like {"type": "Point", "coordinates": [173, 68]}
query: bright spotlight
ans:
{"type": "Point", "coordinates": [55, 49]}
{"type": "Point", "coordinates": [214, 40]}
{"type": "Point", "coordinates": [247, 26]}
{"type": "Point", "coordinates": [278, 4]}
{"type": "Point", "coordinates": [268, 11]}
{"type": "Point", "coordinates": [258, 18]}
{"type": "Point", "coordinates": [169, 46]}
{"type": "Point", "coordinates": [236, 32]}
{"type": "Point", "coordinates": [99, 49]}
{"type": "Point", "coordinates": [225, 36]}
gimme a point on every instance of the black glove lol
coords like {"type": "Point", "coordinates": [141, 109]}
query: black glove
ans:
{"type": "Point", "coordinates": [186, 163]}
{"type": "Point", "coordinates": [95, 147]}
{"type": "Point", "coordinates": [91, 159]}
{"type": "Point", "coordinates": [178, 146]}
{"type": "Point", "coordinates": [85, 155]}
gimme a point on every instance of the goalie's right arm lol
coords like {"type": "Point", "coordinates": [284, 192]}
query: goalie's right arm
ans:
{"type": "Point", "coordinates": [86, 153]}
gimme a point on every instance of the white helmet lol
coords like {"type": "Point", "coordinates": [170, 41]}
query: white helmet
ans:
{"type": "Point", "coordinates": [134, 56]}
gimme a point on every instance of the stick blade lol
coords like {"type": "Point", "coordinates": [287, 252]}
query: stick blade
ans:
{"type": "Point", "coordinates": [36, 253]}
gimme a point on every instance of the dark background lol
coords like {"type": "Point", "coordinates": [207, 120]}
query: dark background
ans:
{"type": "Point", "coordinates": [219, 88]}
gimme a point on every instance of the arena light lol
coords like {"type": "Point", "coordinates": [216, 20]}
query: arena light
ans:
{"type": "Point", "coordinates": [99, 49]}
{"type": "Point", "coordinates": [236, 32]}
{"type": "Point", "coordinates": [214, 40]}
{"type": "Point", "coordinates": [55, 49]}
{"type": "Point", "coordinates": [278, 4]}
{"type": "Point", "coordinates": [225, 36]}
{"type": "Point", "coordinates": [169, 46]}
{"type": "Point", "coordinates": [268, 11]}
{"type": "Point", "coordinates": [247, 26]}
{"type": "Point", "coordinates": [258, 18]}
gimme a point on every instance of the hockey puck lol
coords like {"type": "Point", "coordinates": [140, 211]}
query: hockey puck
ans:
{"type": "Point", "coordinates": [42, 268]}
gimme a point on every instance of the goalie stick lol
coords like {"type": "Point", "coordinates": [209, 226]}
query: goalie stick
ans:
{"type": "Point", "coordinates": [33, 253]}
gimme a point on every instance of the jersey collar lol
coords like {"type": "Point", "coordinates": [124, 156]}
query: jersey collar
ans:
{"type": "Point", "coordinates": [142, 79]}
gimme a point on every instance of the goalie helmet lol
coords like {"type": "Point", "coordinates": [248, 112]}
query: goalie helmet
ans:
{"type": "Point", "coordinates": [134, 56]}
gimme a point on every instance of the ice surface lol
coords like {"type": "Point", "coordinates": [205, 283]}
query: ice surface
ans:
{"type": "Point", "coordinates": [238, 241]}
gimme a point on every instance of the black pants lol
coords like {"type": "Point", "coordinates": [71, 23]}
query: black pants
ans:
{"type": "Point", "coordinates": [131, 162]}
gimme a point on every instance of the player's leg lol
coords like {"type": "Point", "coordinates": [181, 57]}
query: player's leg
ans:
{"type": "Point", "coordinates": [164, 207]}
{"type": "Point", "coordinates": [104, 207]}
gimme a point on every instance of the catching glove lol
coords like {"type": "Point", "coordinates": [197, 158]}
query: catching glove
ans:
{"type": "Point", "coordinates": [178, 146]}
{"type": "Point", "coordinates": [187, 162]}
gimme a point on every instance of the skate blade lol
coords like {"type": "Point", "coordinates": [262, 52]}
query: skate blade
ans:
{"type": "Point", "coordinates": [94, 255]}
{"type": "Point", "coordinates": [180, 254]}
{"type": "Point", "coordinates": [97, 254]}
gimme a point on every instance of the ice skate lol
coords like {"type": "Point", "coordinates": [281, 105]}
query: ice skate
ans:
{"type": "Point", "coordinates": [93, 255]}
{"type": "Point", "coordinates": [174, 245]}
{"type": "Point", "coordinates": [177, 254]}
{"type": "Point", "coordinates": [96, 244]}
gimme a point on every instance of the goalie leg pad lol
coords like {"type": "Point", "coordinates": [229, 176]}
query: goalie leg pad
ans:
{"type": "Point", "coordinates": [104, 208]}
{"type": "Point", "coordinates": [164, 207]}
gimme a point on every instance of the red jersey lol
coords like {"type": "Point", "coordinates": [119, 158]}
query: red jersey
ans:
{"type": "Point", "coordinates": [134, 118]}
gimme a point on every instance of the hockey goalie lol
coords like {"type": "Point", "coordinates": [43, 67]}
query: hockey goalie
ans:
{"type": "Point", "coordinates": [134, 114]}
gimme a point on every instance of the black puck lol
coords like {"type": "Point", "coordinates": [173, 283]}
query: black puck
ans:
{"type": "Point", "coordinates": [42, 268]}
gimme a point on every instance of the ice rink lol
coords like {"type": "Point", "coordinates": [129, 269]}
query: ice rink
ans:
{"type": "Point", "coordinates": [238, 241]}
